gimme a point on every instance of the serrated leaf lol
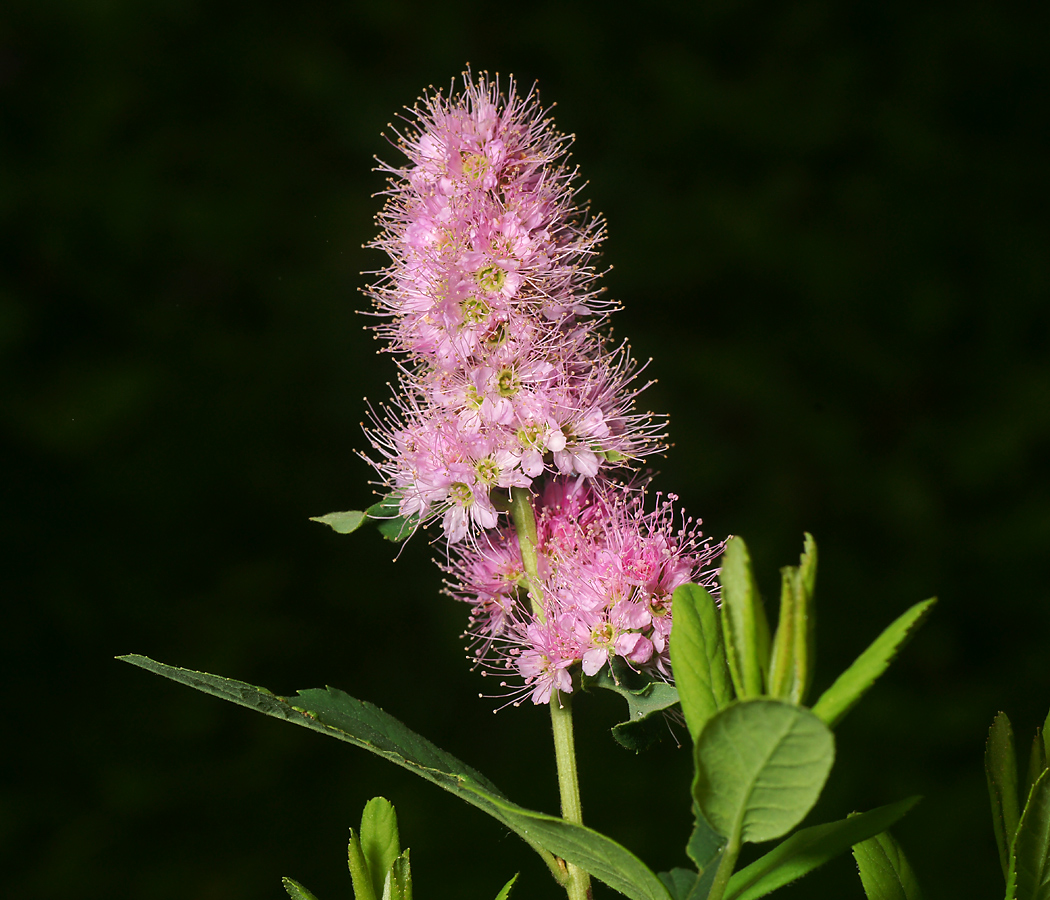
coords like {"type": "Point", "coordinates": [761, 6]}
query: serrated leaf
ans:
{"type": "Point", "coordinates": [397, 884]}
{"type": "Point", "coordinates": [360, 875]}
{"type": "Point", "coordinates": [884, 869]}
{"type": "Point", "coordinates": [679, 882]}
{"type": "Point", "coordinates": [343, 522]}
{"type": "Point", "coordinates": [645, 699]}
{"type": "Point", "coordinates": [852, 684]}
{"type": "Point", "coordinates": [505, 890]}
{"type": "Point", "coordinates": [809, 849]}
{"type": "Point", "coordinates": [1029, 874]}
{"type": "Point", "coordinates": [744, 623]}
{"type": "Point", "coordinates": [336, 714]}
{"type": "Point", "coordinates": [380, 842]}
{"type": "Point", "coordinates": [760, 766]}
{"type": "Point", "coordinates": [1000, 768]}
{"type": "Point", "coordinates": [296, 891]}
{"type": "Point", "coordinates": [1037, 762]}
{"type": "Point", "coordinates": [698, 657]}
{"type": "Point", "coordinates": [791, 662]}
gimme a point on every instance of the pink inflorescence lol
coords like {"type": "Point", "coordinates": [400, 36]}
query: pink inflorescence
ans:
{"type": "Point", "coordinates": [607, 570]}
{"type": "Point", "coordinates": [491, 301]}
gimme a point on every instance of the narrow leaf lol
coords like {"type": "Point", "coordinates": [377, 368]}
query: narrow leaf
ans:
{"type": "Point", "coordinates": [1029, 874]}
{"type": "Point", "coordinates": [760, 767]}
{"type": "Point", "coordinates": [852, 684]}
{"type": "Point", "coordinates": [343, 522]}
{"type": "Point", "coordinates": [380, 843]}
{"type": "Point", "coordinates": [505, 891]}
{"type": "Point", "coordinates": [398, 882]}
{"type": "Point", "coordinates": [809, 849]}
{"type": "Point", "coordinates": [884, 869]}
{"type": "Point", "coordinates": [744, 621]}
{"type": "Point", "coordinates": [1046, 736]}
{"type": "Point", "coordinates": [791, 663]}
{"type": "Point", "coordinates": [1000, 767]}
{"type": "Point", "coordinates": [296, 891]}
{"type": "Point", "coordinates": [360, 876]}
{"type": "Point", "coordinates": [698, 657]}
{"type": "Point", "coordinates": [1036, 762]}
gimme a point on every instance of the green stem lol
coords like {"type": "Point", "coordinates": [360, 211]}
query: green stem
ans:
{"type": "Point", "coordinates": [725, 865]}
{"type": "Point", "coordinates": [578, 886]}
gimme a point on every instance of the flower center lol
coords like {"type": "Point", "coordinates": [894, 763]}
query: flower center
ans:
{"type": "Point", "coordinates": [460, 492]}
{"type": "Point", "coordinates": [602, 635]}
{"type": "Point", "coordinates": [530, 435]}
{"type": "Point", "coordinates": [508, 383]}
{"type": "Point", "coordinates": [660, 605]}
{"type": "Point", "coordinates": [498, 335]}
{"type": "Point", "coordinates": [474, 165]}
{"type": "Point", "coordinates": [488, 471]}
{"type": "Point", "coordinates": [491, 279]}
{"type": "Point", "coordinates": [475, 310]}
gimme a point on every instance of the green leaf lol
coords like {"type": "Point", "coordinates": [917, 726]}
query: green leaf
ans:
{"type": "Point", "coordinates": [380, 842]}
{"type": "Point", "coordinates": [1029, 874]}
{"type": "Point", "coordinates": [1036, 762]}
{"type": "Point", "coordinates": [331, 712]}
{"type": "Point", "coordinates": [505, 892]}
{"type": "Point", "coordinates": [760, 767]}
{"type": "Point", "coordinates": [852, 684]}
{"type": "Point", "coordinates": [884, 869]}
{"type": "Point", "coordinates": [397, 885]}
{"type": "Point", "coordinates": [679, 882]}
{"type": "Point", "coordinates": [360, 876]}
{"type": "Point", "coordinates": [296, 891]}
{"type": "Point", "coordinates": [343, 522]}
{"type": "Point", "coordinates": [698, 657]}
{"type": "Point", "coordinates": [1000, 767]}
{"type": "Point", "coordinates": [595, 853]}
{"type": "Point", "coordinates": [705, 844]}
{"type": "Point", "coordinates": [809, 849]}
{"type": "Point", "coordinates": [744, 621]}
{"type": "Point", "coordinates": [1046, 736]}
{"type": "Point", "coordinates": [791, 663]}
{"type": "Point", "coordinates": [645, 698]}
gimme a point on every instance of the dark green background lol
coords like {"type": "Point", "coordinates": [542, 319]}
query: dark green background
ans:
{"type": "Point", "coordinates": [829, 229]}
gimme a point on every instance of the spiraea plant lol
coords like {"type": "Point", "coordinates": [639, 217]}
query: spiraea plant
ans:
{"type": "Point", "coordinates": [514, 440]}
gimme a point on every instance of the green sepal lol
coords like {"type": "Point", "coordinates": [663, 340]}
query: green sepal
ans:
{"type": "Point", "coordinates": [360, 876]}
{"type": "Point", "coordinates": [380, 842]}
{"type": "Point", "coordinates": [744, 622]}
{"type": "Point", "coordinates": [645, 699]}
{"type": "Point", "coordinates": [809, 849]}
{"type": "Point", "coordinates": [1000, 768]}
{"type": "Point", "coordinates": [1029, 875]}
{"type": "Point", "coordinates": [852, 684]}
{"type": "Point", "coordinates": [505, 890]}
{"type": "Point", "coordinates": [295, 890]}
{"type": "Point", "coordinates": [885, 871]}
{"type": "Point", "coordinates": [791, 663]}
{"type": "Point", "coordinates": [760, 767]}
{"type": "Point", "coordinates": [698, 657]}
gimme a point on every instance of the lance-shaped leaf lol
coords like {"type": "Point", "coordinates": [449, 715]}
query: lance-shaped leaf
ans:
{"type": "Point", "coordinates": [505, 890]}
{"type": "Point", "coordinates": [296, 891]}
{"type": "Point", "coordinates": [380, 843]}
{"type": "Point", "coordinates": [791, 665]}
{"type": "Point", "coordinates": [744, 622]}
{"type": "Point", "coordinates": [760, 767]}
{"type": "Point", "coordinates": [884, 869]}
{"type": "Point", "coordinates": [336, 714]}
{"type": "Point", "coordinates": [698, 657]}
{"type": "Point", "coordinates": [397, 885]}
{"type": "Point", "coordinates": [1037, 763]}
{"type": "Point", "coordinates": [386, 514]}
{"type": "Point", "coordinates": [360, 874]}
{"type": "Point", "coordinates": [1029, 874]}
{"type": "Point", "coordinates": [852, 684]}
{"type": "Point", "coordinates": [809, 849]}
{"type": "Point", "coordinates": [343, 522]}
{"type": "Point", "coordinates": [1000, 768]}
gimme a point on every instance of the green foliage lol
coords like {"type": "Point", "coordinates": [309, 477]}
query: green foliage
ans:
{"type": "Point", "coordinates": [809, 849]}
{"type": "Point", "coordinates": [679, 883]}
{"type": "Point", "coordinates": [884, 870]}
{"type": "Point", "coordinates": [744, 622]}
{"type": "Point", "coordinates": [296, 891]}
{"type": "Point", "coordinates": [791, 663]}
{"type": "Point", "coordinates": [760, 766]}
{"type": "Point", "coordinates": [645, 699]}
{"type": "Point", "coordinates": [1028, 877]}
{"type": "Point", "coordinates": [380, 843]}
{"type": "Point", "coordinates": [336, 714]}
{"type": "Point", "coordinates": [505, 890]}
{"type": "Point", "coordinates": [342, 522]}
{"type": "Point", "coordinates": [852, 684]}
{"type": "Point", "coordinates": [1037, 762]}
{"type": "Point", "coordinates": [386, 514]}
{"type": "Point", "coordinates": [698, 657]}
{"type": "Point", "coordinates": [1000, 766]}
{"type": "Point", "coordinates": [397, 885]}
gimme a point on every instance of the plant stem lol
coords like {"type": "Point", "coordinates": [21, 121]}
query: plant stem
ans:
{"type": "Point", "coordinates": [578, 886]}
{"type": "Point", "coordinates": [725, 865]}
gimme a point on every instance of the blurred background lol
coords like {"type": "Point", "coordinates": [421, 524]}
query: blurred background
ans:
{"type": "Point", "coordinates": [829, 229]}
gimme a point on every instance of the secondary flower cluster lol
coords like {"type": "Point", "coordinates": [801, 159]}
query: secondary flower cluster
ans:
{"type": "Point", "coordinates": [490, 298]}
{"type": "Point", "coordinates": [607, 571]}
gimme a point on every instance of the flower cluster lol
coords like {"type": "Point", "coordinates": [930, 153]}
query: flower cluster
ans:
{"type": "Point", "coordinates": [490, 299]}
{"type": "Point", "coordinates": [607, 572]}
